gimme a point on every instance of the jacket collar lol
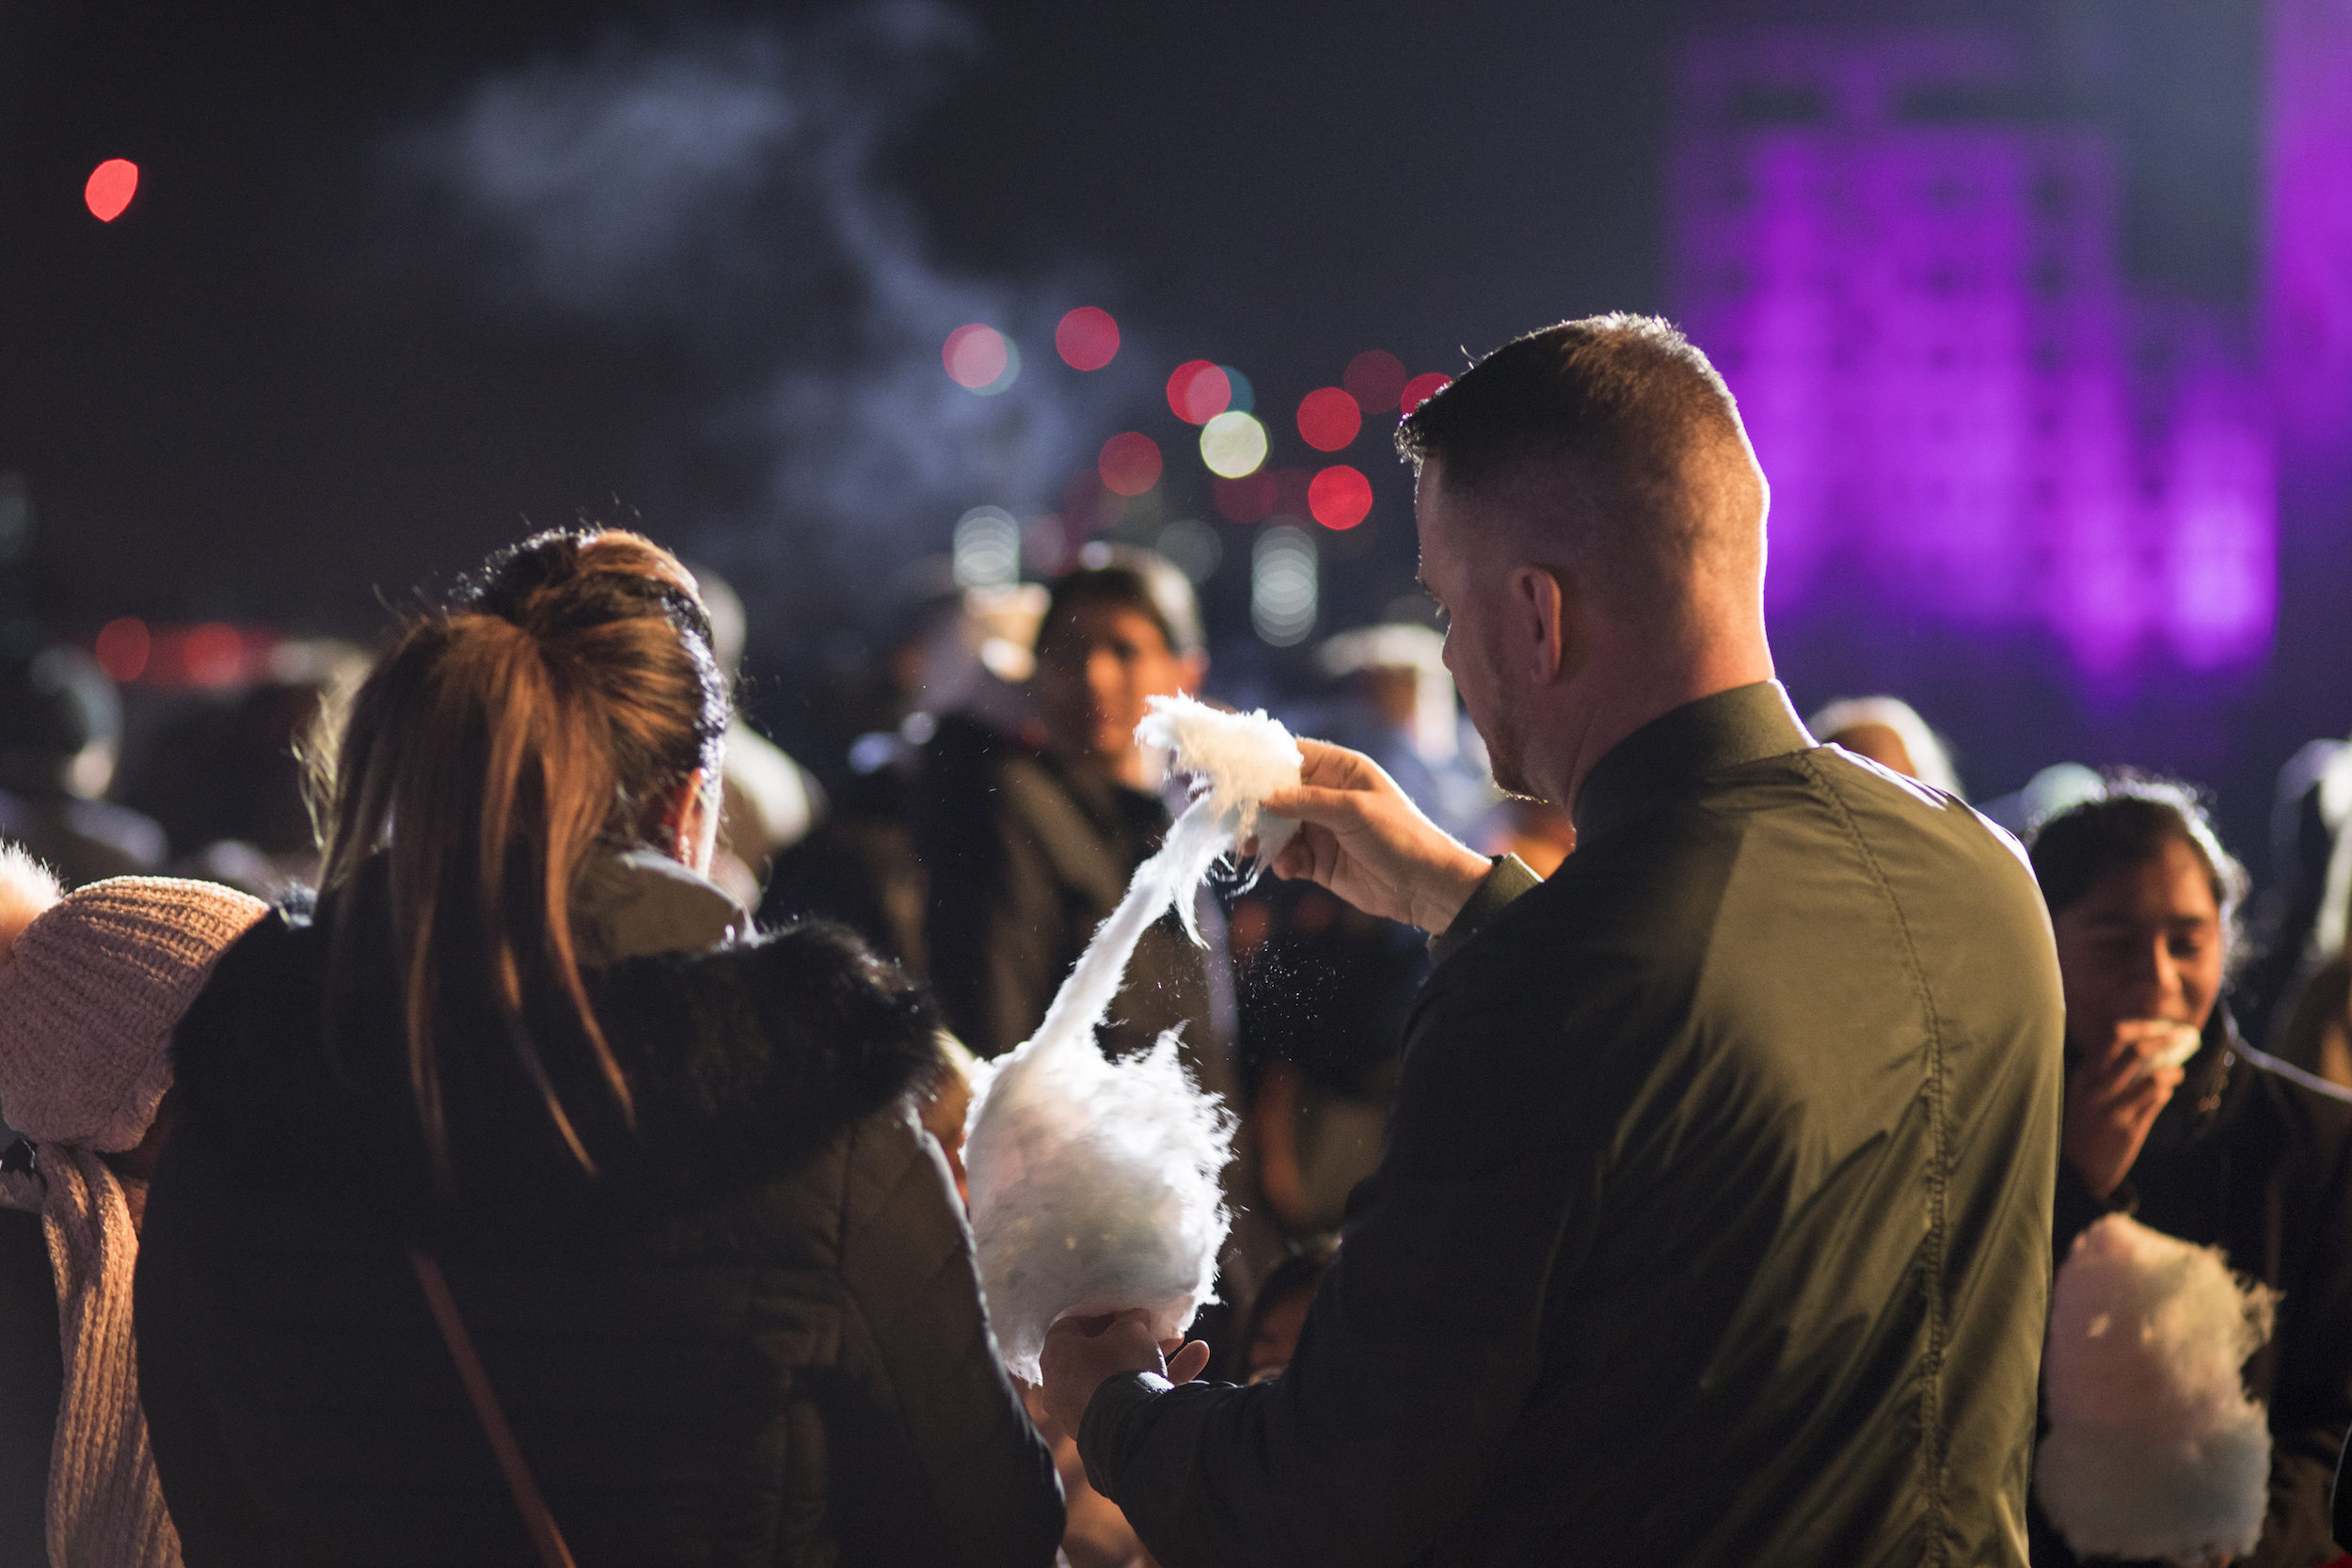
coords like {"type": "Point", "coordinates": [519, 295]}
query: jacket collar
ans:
{"type": "Point", "coordinates": [629, 903]}
{"type": "Point", "coordinates": [1744, 724]}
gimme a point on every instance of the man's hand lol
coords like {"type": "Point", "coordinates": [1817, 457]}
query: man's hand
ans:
{"type": "Point", "coordinates": [1364, 839]}
{"type": "Point", "coordinates": [1082, 1353]}
{"type": "Point", "coordinates": [2112, 1099]}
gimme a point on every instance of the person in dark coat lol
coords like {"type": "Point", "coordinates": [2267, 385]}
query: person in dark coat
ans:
{"type": "Point", "coordinates": [1030, 848]}
{"type": "Point", "coordinates": [2144, 901]}
{"type": "Point", "coordinates": [61, 736]}
{"type": "Point", "coordinates": [671, 1170]}
{"type": "Point", "coordinates": [1712, 1225]}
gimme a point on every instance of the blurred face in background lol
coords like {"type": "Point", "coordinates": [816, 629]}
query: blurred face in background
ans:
{"type": "Point", "coordinates": [2145, 942]}
{"type": "Point", "coordinates": [1277, 1338]}
{"type": "Point", "coordinates": [1881, 743]}
{"type": "Point", "coordinates": [1097, 662]}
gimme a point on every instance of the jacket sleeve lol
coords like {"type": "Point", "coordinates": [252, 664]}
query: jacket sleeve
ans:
{"type": "Point", "coordinates": [964, 1478]}
{"type": "Point", "coordinates": [2310, 1399]}
{"type": "Point", "coordinates": [1422, 1345]}
{"type": "Point", "coordinates": [218, 1521]}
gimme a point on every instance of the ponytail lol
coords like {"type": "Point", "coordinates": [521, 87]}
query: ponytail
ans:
{"type": "Point", "coordinates": [559, 700]}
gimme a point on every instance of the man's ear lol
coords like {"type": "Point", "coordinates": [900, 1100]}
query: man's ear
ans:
{"type": "Point", "coordinates": [1549, 622]}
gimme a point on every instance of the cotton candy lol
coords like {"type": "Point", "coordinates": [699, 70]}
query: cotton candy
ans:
{"type": "Point", "coordinates": [1094, 1182]}
{"type": "Point", "coordinates": [2154, 1450]}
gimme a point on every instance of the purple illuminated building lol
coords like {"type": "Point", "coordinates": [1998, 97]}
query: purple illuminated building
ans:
{"type": "Point", "coordinates": [1973, 423]}
{"type": "Point", "coordinates": [2307, 224]}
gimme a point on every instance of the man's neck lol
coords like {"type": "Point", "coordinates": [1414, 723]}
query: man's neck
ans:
{"type": "Point", "coordinates": [1633, 701]}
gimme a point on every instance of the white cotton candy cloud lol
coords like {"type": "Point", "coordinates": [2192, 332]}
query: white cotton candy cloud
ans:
{"type": "Point", "coordinates": [1236, 760]}
{"type": "Point", "coordinates": [1094, 1189]}
{"type": "Point", "coordinates": [2154, 1450]}
{"type": "Point", "coordinates": [1094, 1182]}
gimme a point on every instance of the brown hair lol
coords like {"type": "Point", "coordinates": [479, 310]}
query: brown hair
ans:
{"type": "Point", "coordinates": [558, 699]}
{"type": "Point", "coordinates": [2128, 823]}
{"type": "Point", "coordinates": [1614, 425]}
{"type": "Point", "coordinates": [1135, 580]}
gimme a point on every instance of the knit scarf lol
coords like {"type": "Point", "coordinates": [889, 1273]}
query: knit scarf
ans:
{"type": "Point", "coordinates": [106, 1506]}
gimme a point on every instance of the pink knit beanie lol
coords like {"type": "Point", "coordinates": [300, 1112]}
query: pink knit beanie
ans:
{"type": "Point", "coordinates": [90, 995]}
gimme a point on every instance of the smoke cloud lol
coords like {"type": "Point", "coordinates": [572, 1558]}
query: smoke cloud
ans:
{"type": "Point", "coordinates": [716, 192]}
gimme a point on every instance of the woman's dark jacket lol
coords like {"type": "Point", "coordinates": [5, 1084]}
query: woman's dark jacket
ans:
{"type": "Point", "coordinates": [754, 1337]}
{"type": "Point", "coordinates": [2263, 1169]}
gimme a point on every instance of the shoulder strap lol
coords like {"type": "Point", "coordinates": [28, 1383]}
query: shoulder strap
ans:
{"type": "Point", "coordinates": [544, 1533]}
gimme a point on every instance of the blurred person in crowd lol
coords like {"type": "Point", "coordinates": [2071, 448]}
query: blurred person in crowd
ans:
{"type": "Point", "coordinates": [552, 1111]}
{"type": "Point", "coordinates": [222, 770]}
{"type": "Point", "coordinates": [60, 738]}
{"type": "Point", "coordinates": [2050, 791]}
{"type": "Point", "coordinates": [946, 1105]}
{"type": "Point", "coordinates": [1535, 832]}
{"type": "Point", "coordinates": [2144, 902]}
{"type": "Point", "coordinates": [2303, 921]}
{"type": "Point", "coordinates": [1269, 1333]}
{"type": "Point", "coordinates": [1402, 713]}
{"type": "Point", "coordinates": [1325, 992]}
{"type": "Point", "coordinates": [1713, 1224]}
{"type": "Point", "coordinates": [1890, 733]}
{"type": "Point", "coordinates": [1030, 846]}
{"type": "Point", "coordinates": [1029, 849]}
{"type": "Point", "coordinates": [2316, 1035]}
{"type": "Point", "coordinates": [966, 654]}
{"type": "Point", "coordinates": [770, 801]}
{"type": "Point", "coordinates": [92, 986]}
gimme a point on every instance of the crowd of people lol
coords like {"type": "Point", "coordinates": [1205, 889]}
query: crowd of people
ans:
{"type": "Point", "coordinates": [1661, 1119]}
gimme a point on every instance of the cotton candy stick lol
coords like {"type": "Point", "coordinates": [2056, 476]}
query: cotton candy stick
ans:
{"type": "Point", "coordinates": [1094, 1182]}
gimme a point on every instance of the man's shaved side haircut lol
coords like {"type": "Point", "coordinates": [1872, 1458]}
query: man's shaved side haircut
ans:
{"type": "Point", "coordinates": [1610, 436]}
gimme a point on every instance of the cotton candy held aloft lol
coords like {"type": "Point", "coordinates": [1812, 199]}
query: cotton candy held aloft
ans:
{"type": "Point", "coordinates": [1094, 1182]}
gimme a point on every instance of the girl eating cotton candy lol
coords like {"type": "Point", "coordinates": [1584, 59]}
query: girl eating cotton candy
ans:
{"type": "Point", "coordinates": [92, 984]}
{"type": "Point", "coordinates": [2170, 1120]}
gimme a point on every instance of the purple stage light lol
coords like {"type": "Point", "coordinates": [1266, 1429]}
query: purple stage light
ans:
{"type": "Point", "coordinates": [1970, 418]}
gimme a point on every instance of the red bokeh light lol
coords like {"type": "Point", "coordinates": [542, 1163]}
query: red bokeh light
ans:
{"type": "Point", "coordinates": [1375, 379]}
{"type": "Point", "coordinates": [1250, 499]}
{"type": "Point", "coordinates": [1329, 418]}
{"type": "Point", "coordinates": [1199, 392]}
{"type": "Point", "coordinates": [1420, 389]}
{"type": "Point", "coordinates": [1130, 463]}
{"type": "Point", "coordinates": [212, 654]}
{"type": "Point", "coordinates": [1339, 497]}
{"type": "Point", "coordinates": [976, 354]}
{"type": "Point", "coordinates": [110, 187]}
{"type": "Point", "coordinates": [1087, 339]}
{"type": "Point", "coordinates": [122, 648]}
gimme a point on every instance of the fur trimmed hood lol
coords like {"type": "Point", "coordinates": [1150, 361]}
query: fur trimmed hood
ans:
{"type": "Point", "coordinates": [742, 1060]}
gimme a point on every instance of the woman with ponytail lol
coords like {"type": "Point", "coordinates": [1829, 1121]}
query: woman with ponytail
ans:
{"type": "Point", "coordinates": [523, 1204]}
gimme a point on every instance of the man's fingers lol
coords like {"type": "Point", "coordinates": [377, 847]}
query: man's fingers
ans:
{"type": "Point", "coordinates": [1330, 808]}
{"type": "Point", "coordinates": [1189, 1362]}
{"type": "Point", "coordinates": [1336, 766]}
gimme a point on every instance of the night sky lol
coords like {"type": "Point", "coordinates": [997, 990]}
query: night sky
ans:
{"type": "Point", "coordinates": [226, 409]}
{"type": "Point", "coordinates": [295, 376]}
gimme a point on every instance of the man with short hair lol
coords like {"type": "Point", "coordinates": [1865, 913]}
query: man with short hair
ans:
{"type": "Point", "coordinates": [1712, 1225]}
